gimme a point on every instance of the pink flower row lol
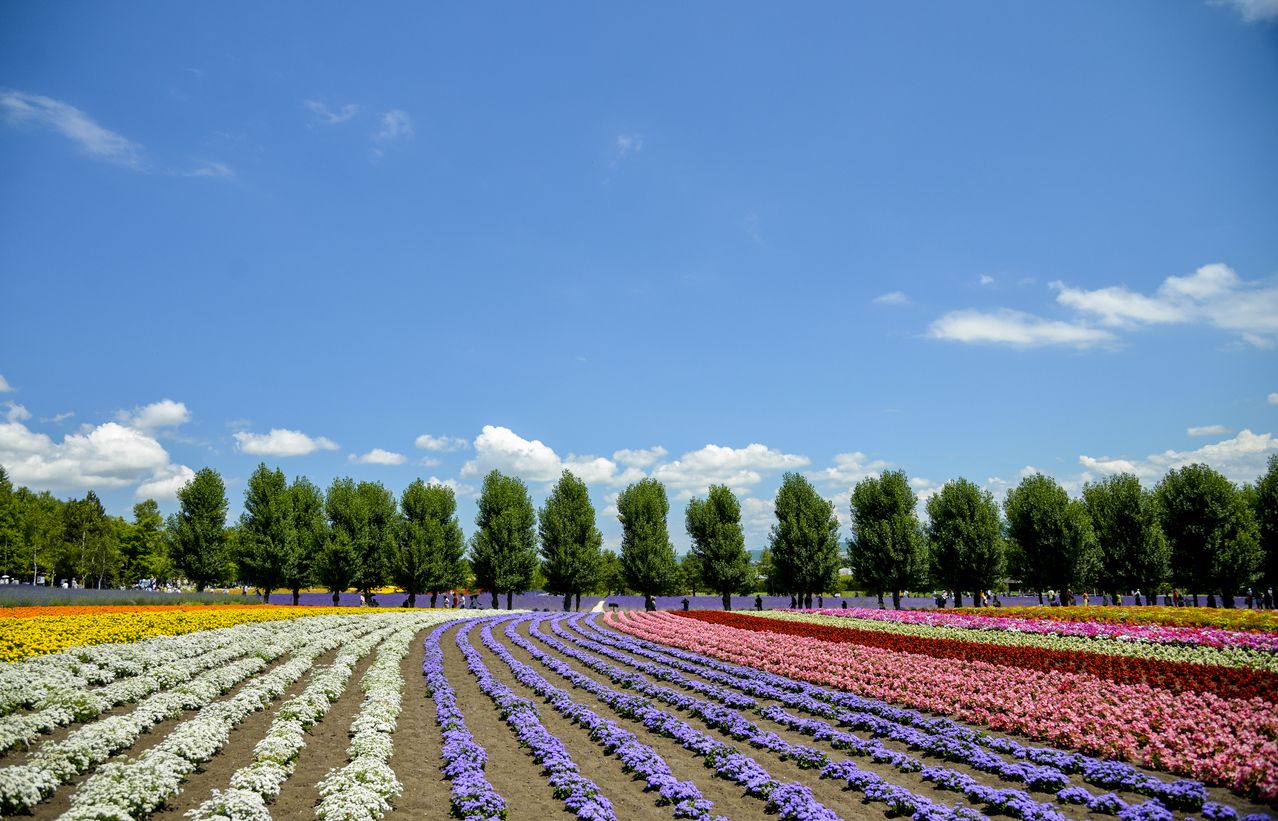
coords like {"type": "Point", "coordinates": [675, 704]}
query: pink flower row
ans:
{"type": "Point", "coordinates": [1231, 742]}
{"type": "Point", "coordinates": [1158, 634]}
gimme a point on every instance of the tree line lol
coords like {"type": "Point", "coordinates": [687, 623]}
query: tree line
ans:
{"type": "Point", "coordinates": [1195, 530]}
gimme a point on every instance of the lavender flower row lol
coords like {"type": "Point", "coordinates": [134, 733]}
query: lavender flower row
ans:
{"type": "Point", "coordinates": [1007, 801]}
{"type": "Point", "coordinates": [472, 798]}
{"type": "Point", "coordinates": [789, 801]}
{"type": "Point", "coordinates": [635, 756]}
{"type": "Point", "coordinates": [735, 725]}
{"type": "Point", "coordinates": [579, 793]}
{"type": "Point", "coordinates": [863, 714]}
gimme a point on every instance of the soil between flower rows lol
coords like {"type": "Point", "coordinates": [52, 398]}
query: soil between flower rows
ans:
{"type": "Point", "coordinates": [511, 769]}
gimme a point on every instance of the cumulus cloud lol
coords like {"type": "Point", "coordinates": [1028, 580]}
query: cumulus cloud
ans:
{"type": "Point", "coordinates": [22, 108]}
{"type": "Point", "coordinates": [107, 456]}
{"type": "Point", "coordinates": [892, 298]}
{"type": "Point", "coordinates": [377, 456]}
{"type": "Point", "coordinates": [1252, 11]}
{"type": "Point", "coordinates": [440, 443]}
{"type": "Point", "coordinates": [458, 488]}
{"type": "Point", "coordinates": [738, 468]}
{"type": "Point", "coordinates": [639, 457]}
{"type": "Point", "coordinates": [163, 414]}
{"type": "Point", "coordinates": [1207, 430]}
{"type": "Point", "coordinates": [165, 483]}
{"type": "Point", "coordinates": [1240, 457]}
{"type": "Point", "coordinates": [327, 116]}
{"type": "Point", "coordinates": [848, 469]}
{"type": "Point", "coordinates": [15, 412]}
{"type": "Point", "coordinates": [500, 448]}
{"type": "Point", "coordinates": [281, 442]}
{"type": "Point", "coordinates": [1016, 328]}
{"type": "Point", "coordinates": [5, 387]}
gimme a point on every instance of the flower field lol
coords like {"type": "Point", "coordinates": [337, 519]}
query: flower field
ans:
{"type": "Point", "coordinates": [709, 715]}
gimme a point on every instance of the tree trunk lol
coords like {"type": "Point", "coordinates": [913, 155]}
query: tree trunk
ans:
{"type": "Point", "coordinates": [412, 599]}
{"type": "Point", "coordinates": [297, 595]}
{"type": "Point", "coordinates": [1040, 598]}
{"type": "Point", "coordinates": [958, 599]}
{"type": "Point", "coordinates": [337, 598]}
{"type": "Point", "coordinates": [495, 605]}
{"type": "Point", "coordinates": [1211, 600]}
{"type": "Point", "coordinates": [1227, 600]}
{"type": "Point", "coordinates": [882, 606]}
{"type": "Point", "coordinates": [567, 602]}
{"type": "Point", "coordinates": [727, 601]}
{"type": "Point", "coordinates": [1195, 600]}
{"type": "Point", "coordinates": [896, 599]}
{"type": "Point", "coordinates": [807, 601]}
{"type": "Point", "coordinates": [199, 587]}
{"type": "Point", "coordinates": [509, 598]}
{"type": "Point", "coordinates": [578, 607]}
{"type": "Point", "coordinates": [434, 597]}
{"type": "Point", "coordinates": [266, 597]}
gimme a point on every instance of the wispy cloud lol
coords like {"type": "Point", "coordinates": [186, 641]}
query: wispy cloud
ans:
{"type": "Point", "coordinates": [892, 298]}
{"type": "Point", "coordinates": [627, 145]}
{"type": "Point", "coordinates": [5, 387]}
{"type": "Point", "coordinates": [1272, 399]}
{"type": "Point", "coordinates": [1252, 11]}
{"type": "Point", "coordinates": [1207, 430]}
{"type": "Point", "coordinates": [1016, 328]}
{"type": "Point", "coordinates": [986, 279]}
{"type": "Point", "coordinates": [394, 125]}
{"type": "Point", "coordinates": [440, 443]}
{"type": "Point", "coordinates": [22, 108]}
{"type": "Point", "coordinates": [327, 116]}
{"type": "Point", "coordinates": [211, 169]}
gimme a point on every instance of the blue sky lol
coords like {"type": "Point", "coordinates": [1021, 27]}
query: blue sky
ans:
{"type": "Point", "coordinates": [709, 243]}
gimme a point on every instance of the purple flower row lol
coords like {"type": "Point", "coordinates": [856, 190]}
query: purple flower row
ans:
{"type": "Point", "coordinates": [735, 725]}
{"type": "Point", "coordinates": [635, 756]}
{"type": "Point", "coordinates": [579, 793]}
{"type": "Point", "coordinates": [472, 797]}
{"type": "Point", "coordinates": [788, 800]}
{"type": "Point", "coordinates": [949, 740]}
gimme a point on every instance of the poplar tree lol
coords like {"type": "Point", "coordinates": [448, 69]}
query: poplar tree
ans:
{"type": "Point", "coordinates": [804, 541]}
{"type": "Point", "coordinates": [429, 552]}
{"type": "Point", "coordinates": [887, 550]}
{"type": "Point", "coordinates": [570, 542]}
{"type": "Point", "coordinates": [647, 556]}
{"type": "Point", "coordinates": [718, 543]}
{"type": "Point", "coordinates": [310, 532]}
{"type": "Point", "coordinates": [198, 529]}
{"type": "Point", "coordinates": [1212, 531]}
{"type": "Point", "coordinates": [1265, 506]}
{"type": "Point", "coordinates": [964, 538]}
{"type": "Point", "coordinates": [503, 550]}
{"type": "Point", "coordinates": [1053, 532]}
{"type": "Point", "coordinates": [266, 537]}
{"type": "Point", "coordinates": [1133, 550]}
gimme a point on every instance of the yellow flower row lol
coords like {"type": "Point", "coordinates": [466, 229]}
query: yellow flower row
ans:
{"type": "Point", "coordinates": [24, 637]}
{"type": "Point", "coordinates": [1238, 618]}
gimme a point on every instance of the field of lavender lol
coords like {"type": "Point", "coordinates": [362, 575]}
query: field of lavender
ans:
{"type": "Point", "coordinates": [794, 715]}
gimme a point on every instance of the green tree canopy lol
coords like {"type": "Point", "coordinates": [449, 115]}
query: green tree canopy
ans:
{"type": "Point", "coordinates": [887, 550]}
{"type": "Point", "coordinates": [1133, 551]}
{"type": "Point", "coordinates": [429, 554]}
{"type": "Point", "coordinates": [365, 516]}
{"type": "Point", "coordinates": [1265, 505]}
{"type": "Point", "coordinates": [267, 537]}
{"type": "Point", "coordinates": [1211, 530]}
{"type": "Point", "coordinates": [647, 556]}
{"type": "Point", "coordinates": [804, 542]}
{"type": "Point", "coordinates": [198, 529]}
{"type": "Point", "coordinates": [143, 546]}
{"type": "Point", "coordinates": [503, 550]}
{"type": "Point", "coordinates": [310, 534]}
{"type": "Point", "coordinates": [1053, 533]}
{"type": "Point", "coordinates": [718, 543]}
{"type": "Point", "coordinates": [965, 542]}
{"type": "Point", "coordinates": [570, 542]}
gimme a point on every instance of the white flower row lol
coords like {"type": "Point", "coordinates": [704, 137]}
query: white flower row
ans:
{"type": "Point", "coordinates": [25, 785]}
{"type": "Point", "coordinates": [135, 788]}
{"type": "Point", "coordinates": [46, 679]}
{"type": "Point", "coordinates": [275, 756]}
{"type": "Point", "coordinates": [59, 707]}
{"type": "Point", "coordinates": [362, 790]}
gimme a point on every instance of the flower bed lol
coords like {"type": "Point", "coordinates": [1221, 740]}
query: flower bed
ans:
{"type": "Point", "coordinates": [1225, 682]}
{"type": "Point", "coordinates": [1227, 619]}
{"type": "Point", "coordinates": [1230, 742]}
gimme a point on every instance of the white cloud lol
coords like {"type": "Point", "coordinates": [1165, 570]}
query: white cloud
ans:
{"type": "Point", "coordinates": [500, 448]}
{"type": "Point", "coordinates": [107, 456]}
{"type": "Point", "coordinates": [1241, 458]}
{"type": "Point", "coordinates": [211, 169]}
{"type": "Point", "coordinates": [22, 108]}
{"type": "Point", "coordinates": [165, 483]}
{"type": "Point", "coordinates": [848, 469]}
{"type": "Point", "coordinates": [757, 518]}
{"type": "Point", "coordinates": [738, 468]}
{"type": "Point", "coordinates": [1252, 11]}
{"type": "Point", "coordinates": [459, 488]}
{"type": "Point", "coordinates": [327, 116]}
{"type": "Point", "coordinates": [378, 456]}
{"type": "Point", "coordinates": [163, 414]}
{"type": "Point", "coordinates": [394, 125]}
{"type": "Point", "coordinates": [440, 443]}
{"type": "Point", "coordinates": [5, 387]}
{"type": "Point", "coordinates": [627, 144]}
{"type": "Point", "coordinates": [986, 279]}
{"type": "Point", "coordinates": [892, 298]}
{"type": "Point", "coordinates": [1272, 399]}
{"type": "Point", "coordinates": [1016, 328]}
{"type": "Point", "coordinates": [1213, 295]}
{"type": "Point", "coordinates": [1207, 430]}
{"type": "Point", "coordinates": [429, 461]}
{"type": "Point", "coordinates": [639, 457]}
{"type": "Point", "coordinates": [281, 442]}
{"type": "Point", "coordinates": [16, 413]}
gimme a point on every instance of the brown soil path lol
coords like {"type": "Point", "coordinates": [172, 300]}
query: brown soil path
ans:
{"type": "Point", "coordinates": [418, 749]}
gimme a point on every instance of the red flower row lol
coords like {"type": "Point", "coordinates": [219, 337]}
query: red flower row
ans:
{"type": "Point", "coordinates": [1226, 682]}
